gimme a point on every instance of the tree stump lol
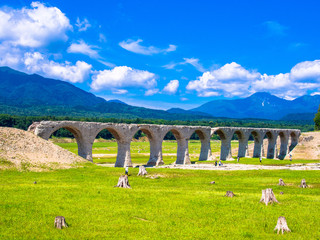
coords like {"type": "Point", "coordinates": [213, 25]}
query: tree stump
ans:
{"type": "Point", "coordinates": [60, 222]}
{"type": "Point", "coordinates": [230, 194]}
{"type": "Point", "coordinates": [303, 184]}
{"type": "Point", "coordinates": [123, 182]}
{"type": "Point", "coordinates": [282, 225]}
{"type": "Point", "coordinates": [142, 171]}
{"type": "Point", "coordinates": [281, 182]}
{"type": "Point", "coordinates": [268, 196]}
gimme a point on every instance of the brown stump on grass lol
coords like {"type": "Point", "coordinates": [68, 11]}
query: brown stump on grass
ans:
{"type": "Point", "coordinates": [303, 184]}
{"type": "Point", "coordinates": [229, 194]}
{"type": "Point", "coordinates": [142, 171]}
{"type": "Point", "coordinates": [282, 225]}
{"type": "Point", "coordinates": [123, 182]}
{"type": "Point", "coordinates": [281, 182]}
{"type": "Point", "coordinates": [268, 196]}
{"type": "Point", "coordinates": [60, 222]}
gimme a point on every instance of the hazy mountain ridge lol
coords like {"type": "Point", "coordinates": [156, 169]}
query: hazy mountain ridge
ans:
{"type": "Point", "coordinates": [261, 105]}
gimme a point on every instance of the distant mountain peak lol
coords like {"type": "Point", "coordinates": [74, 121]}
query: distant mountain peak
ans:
{"type": "Point", "coordinates": [117, 101]}
{"type": "Point", "coordinates": [261, 105]}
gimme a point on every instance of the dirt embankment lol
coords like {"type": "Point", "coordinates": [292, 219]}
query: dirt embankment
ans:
{"type": "Point", "coordinates": [308, 147]}
{"type": "Point", "coordinates": [26, 151]}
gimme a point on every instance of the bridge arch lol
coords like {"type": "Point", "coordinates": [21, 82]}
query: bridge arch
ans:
{"type": "Point", "coordinates": [225, 135]}
{"type": "Point", "coordinates": [152, 143]}
{"type": "Point", "coordinates": [182, 145]}
{"type": "Point", "coordinates": [123, 154]}
{"type": "Point", "coordinates": [76, 132]}
{"type": "Point", "coordinates": [204, 137]}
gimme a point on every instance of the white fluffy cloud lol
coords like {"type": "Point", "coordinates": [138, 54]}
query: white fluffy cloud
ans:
{"type": "Point", "coordinates": [33, 27]}
{"type": "Point", "coordinates": [136, 47]}
{"type": "Point", "coordinates": [10, 56]}
{"type": "Point", "coordinates": [123, 76]}
{"type": "Point", "coordinates": [308, 70]}
{"type": "Point", "coordinates": [234, 80]}
{"type": "Point", "coordinates": [37, 63]}
{"type": "Point", "coordinates": [83, 48]}
{"type": "Point", "coordinates": [171, 87]}
{"type": "Point", "coordinates": [229, 80]}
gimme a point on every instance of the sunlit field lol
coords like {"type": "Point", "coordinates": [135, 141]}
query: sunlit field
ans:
{"type": "Point", "coordinates": [165, 204]}
{"type": "Point", "coordinates": [176, 204]}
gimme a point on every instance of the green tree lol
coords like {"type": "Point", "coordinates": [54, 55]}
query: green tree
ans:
{"type": "Point", "coordinates": [317, 120]}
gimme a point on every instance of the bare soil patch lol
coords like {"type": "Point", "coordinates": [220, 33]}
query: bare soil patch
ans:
{"type": "Point", "coordinates": [27, 152]}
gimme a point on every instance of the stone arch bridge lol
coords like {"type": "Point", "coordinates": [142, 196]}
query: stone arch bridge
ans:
{"type": "Point", "coordinates": [86, 132]}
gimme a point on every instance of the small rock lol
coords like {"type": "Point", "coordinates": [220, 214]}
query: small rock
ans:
{"type": "Point", "coordinates": [213, 182]}
{"type": "Point", "coordinates": [34, 182]}
{"type": "Point", "coordinates": [281, 193]}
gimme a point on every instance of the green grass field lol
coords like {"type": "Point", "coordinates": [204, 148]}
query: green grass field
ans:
{"type": "Point", "coordinates": [180, 204]}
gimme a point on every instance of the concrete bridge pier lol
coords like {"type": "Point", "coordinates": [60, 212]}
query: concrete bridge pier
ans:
{"type": "Point", "coordinates": [225, 153]}
{"type": "Point", "coordinates": [225, 135]}
{"type": "Point", "coordinates": [183, 151]}
{"type": "Point", "coordinates": [243, 138]}
{"type": "Point", "coordinates": [123, 156]}
{"type": "Point", "coordinates": [284, 139]}
{"type": "Point", "coordinates": [243, 145]}
{"type": "Point", "coordinates": [258, 141]}
{"type": "Point", "coordinates": [294, 141]}
{"type": "Point", "coordinates": [85, 149]}
{"type": "Point", "coordinates": [155, 153]}
{"type": "Point", "coordinates": [271, 148]}
{"type": "Point", "coordinates": [272, 141]}
{"type": "Point", "coordinates": [205, 152]}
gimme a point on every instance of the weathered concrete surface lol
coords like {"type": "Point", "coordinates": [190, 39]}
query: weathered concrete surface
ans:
{"type": "Point", "coordinates": [86, 132]}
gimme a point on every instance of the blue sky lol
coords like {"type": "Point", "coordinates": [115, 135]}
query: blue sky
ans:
{"type": "Point", "coordinates": [164, 54]}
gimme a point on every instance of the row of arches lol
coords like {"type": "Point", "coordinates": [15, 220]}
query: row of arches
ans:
{"type": "Point", "coordinates": [86, 133]}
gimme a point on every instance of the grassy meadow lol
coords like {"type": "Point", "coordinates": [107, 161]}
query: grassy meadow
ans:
{"type": "Point", "coordinates": [178, 204]}
{"type": "Point", "coordinates": [174, 204]}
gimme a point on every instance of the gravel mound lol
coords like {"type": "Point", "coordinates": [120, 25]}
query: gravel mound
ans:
{"type": "Point", "coordinates": [27, 152]}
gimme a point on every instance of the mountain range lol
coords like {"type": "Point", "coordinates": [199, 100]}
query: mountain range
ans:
{"type": "Point", "coordinates": [263, 105]}
{"type": "Point", "coordinates": [23, 94]}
